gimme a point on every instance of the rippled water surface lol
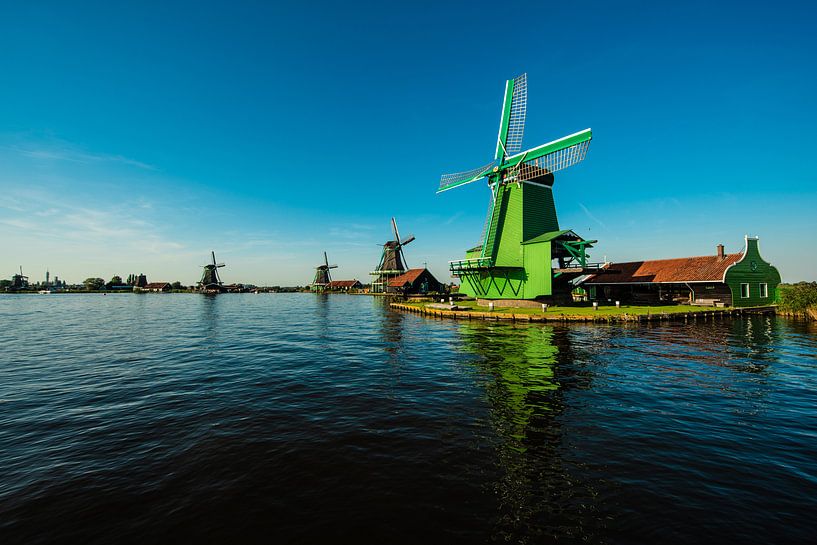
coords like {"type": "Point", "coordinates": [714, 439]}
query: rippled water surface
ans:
{"type": "Point", "coordinates": [304, 419]}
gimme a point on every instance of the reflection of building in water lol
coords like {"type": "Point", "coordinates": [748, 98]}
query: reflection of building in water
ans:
{"type": "Point", "coordinates": [526, 373]}
{"type": "Point", "coordinates": [757, 335]}
{"type": "Point", "coordinates": [391, 328]}
{"type": "Point", "coordinates": [746, 344]}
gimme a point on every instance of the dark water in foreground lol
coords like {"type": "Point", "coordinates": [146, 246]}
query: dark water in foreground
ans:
{"type": "Point", "coordinates": [304, 419]}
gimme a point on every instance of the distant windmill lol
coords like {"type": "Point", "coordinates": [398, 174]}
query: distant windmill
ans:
{"type": "Point", "coordinates": [322, 276]}
{"type": "Point", "coordinates": [210, 281]}
{"type": "Point", "coordinates": [392, 260]}
{"type": "Point", "coordinates": [19, 281]}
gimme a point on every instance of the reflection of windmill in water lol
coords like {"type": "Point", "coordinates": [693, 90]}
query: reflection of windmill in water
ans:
{"type": "Point", "coordinates": [392, 325]}
{"type": "Point", "coordinates": [523, 362]}
{"type": "Point", "coordinates": [322, 276]}
{"type": "Point", "coordinates": [392, 261]}
{"type": "Point", "coordinates": [210, 281]}
{"type": "Point", "coordinates": [526, 372]}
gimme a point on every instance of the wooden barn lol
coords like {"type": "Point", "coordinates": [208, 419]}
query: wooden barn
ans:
{"type": "Point", "coordinates": [344, 285]}
{"type": "Point", "coordinates": [157, 287]}
{"type": "Point", "coordinates": [740, 279]}
{"type": "Point", "coordinates": [414, 282]}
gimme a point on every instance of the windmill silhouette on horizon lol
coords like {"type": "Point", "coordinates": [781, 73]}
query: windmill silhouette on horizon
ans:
{"type": "Point", "coordinates": [392, 260]}
{"type": "Point", "coordinates": [210, 281]}
{"type": "Point", "coordinates": [322, 276]}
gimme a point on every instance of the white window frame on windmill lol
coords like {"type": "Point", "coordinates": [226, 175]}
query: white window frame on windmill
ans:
{"type": "Point", "coordinates": [744, 291]}
{"type": "Point", "coordinates": [764, 289]}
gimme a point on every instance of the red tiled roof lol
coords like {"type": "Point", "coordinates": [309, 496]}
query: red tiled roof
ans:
{"type": "Point", "coordinates": [156, 285]}
{"type": "Point", "coordinates": [707, 268]}
{"type": "Point", "coordinates": [343, 284]}
{"type": "Point", "coordinates": [407, 277]}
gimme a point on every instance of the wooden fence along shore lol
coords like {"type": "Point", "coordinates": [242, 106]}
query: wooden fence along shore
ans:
{"type": "Point", "coordinates": [561, 317]}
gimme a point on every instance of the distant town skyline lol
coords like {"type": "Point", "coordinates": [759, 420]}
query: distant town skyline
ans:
{"type": "Point", "coordinates": [137, 139]}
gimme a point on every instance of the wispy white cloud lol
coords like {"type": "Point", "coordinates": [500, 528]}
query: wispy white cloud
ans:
{"type": "Point", "coordinates": [47, 217]}
{"type": "Point", "coordinates": [348, 233]}
{"type": "Point", "coordinates": [47, 212]}
{"type": "Point", "coordinates": [76, 156]}
{"type": "Point", "coordinates": [453, 218]}
{"type": "Point", "coordinates": [16, 223]}
{"type": "Point", "coordinates": [9, 202]}
{"type": "Point", "coordinates": [592, 217]}
{"type": "Point", "coordinates": [49, 148]}
{"type": "Point", "coordinates": [362, 226]}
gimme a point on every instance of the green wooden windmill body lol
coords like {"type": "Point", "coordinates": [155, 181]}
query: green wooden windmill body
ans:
{"type": "Point", "coordinates": [521, 238]}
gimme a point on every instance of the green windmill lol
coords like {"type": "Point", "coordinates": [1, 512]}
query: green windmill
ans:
{"type": "Point", "coordinates": [523, 253]}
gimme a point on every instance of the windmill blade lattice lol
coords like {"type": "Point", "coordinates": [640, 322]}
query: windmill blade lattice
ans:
{"type": "Point", "coordinates": [402, 253]}
{"type": "Point", "coordinates": [519, 108]}
{"type": "Point", "coordinates": [449, 181]}
{"type": "Point", "coordinates": [395, 231]}
{"type": "Point", "coordinates": [488, 218]}
{"type": "Point", "coordinates": [552, 162]}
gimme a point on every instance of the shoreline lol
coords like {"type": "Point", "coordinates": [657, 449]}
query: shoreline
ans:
{"type": "Point", "coordinates": [557, 316]}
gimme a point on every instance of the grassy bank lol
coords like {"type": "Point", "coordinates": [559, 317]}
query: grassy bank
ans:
{"type": "Point", "coordinates": [582, 310]}
{"type": "Point", "coordinates": [799, 299]}
{"type": "Point", "coordinates": [470, 310]}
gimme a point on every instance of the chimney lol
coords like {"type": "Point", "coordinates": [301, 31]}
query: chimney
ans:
{"type": "Point", "coordinates": [721, 255]}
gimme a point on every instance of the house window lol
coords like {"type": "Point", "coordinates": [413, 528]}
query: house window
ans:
{"type": "Point", "coordinates": [744, 291]}
{"type": "Point", "coordinates": [764, 290]}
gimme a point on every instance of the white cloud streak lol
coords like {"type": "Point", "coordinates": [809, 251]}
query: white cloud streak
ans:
{"type": "Point", "coordinates": [63, 151]}
{"type": "Point", "coordinates": [592, 217]}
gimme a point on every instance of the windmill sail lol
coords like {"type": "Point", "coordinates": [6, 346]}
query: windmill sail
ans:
{"type": "Point", "coordinates": [486, 228]}
{"type": "Point", "coordinates": [516, 121]}
{"type": "Point", "coordinates": [512, 121]}
{"type": "Point", "coordinates": [553, 162]}
{"type": "Point", "coordinates": [450, 181]}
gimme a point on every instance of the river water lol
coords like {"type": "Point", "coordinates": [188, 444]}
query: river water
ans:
{"type": "Point", "coordinates": [305, 419]}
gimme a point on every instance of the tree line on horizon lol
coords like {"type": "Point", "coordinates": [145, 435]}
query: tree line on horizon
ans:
{"type": "Point", "coordinates": [116, 283]}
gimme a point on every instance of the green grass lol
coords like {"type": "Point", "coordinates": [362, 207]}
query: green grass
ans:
{"type": "Point", "coordinates": [584, 310]}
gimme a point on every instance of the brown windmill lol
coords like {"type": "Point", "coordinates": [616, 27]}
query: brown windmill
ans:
{"type": "Point", "coordinates": [392, 261]}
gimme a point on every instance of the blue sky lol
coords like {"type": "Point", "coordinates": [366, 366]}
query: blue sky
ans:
{"type": "Point", "coordinates": [137, 139]}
